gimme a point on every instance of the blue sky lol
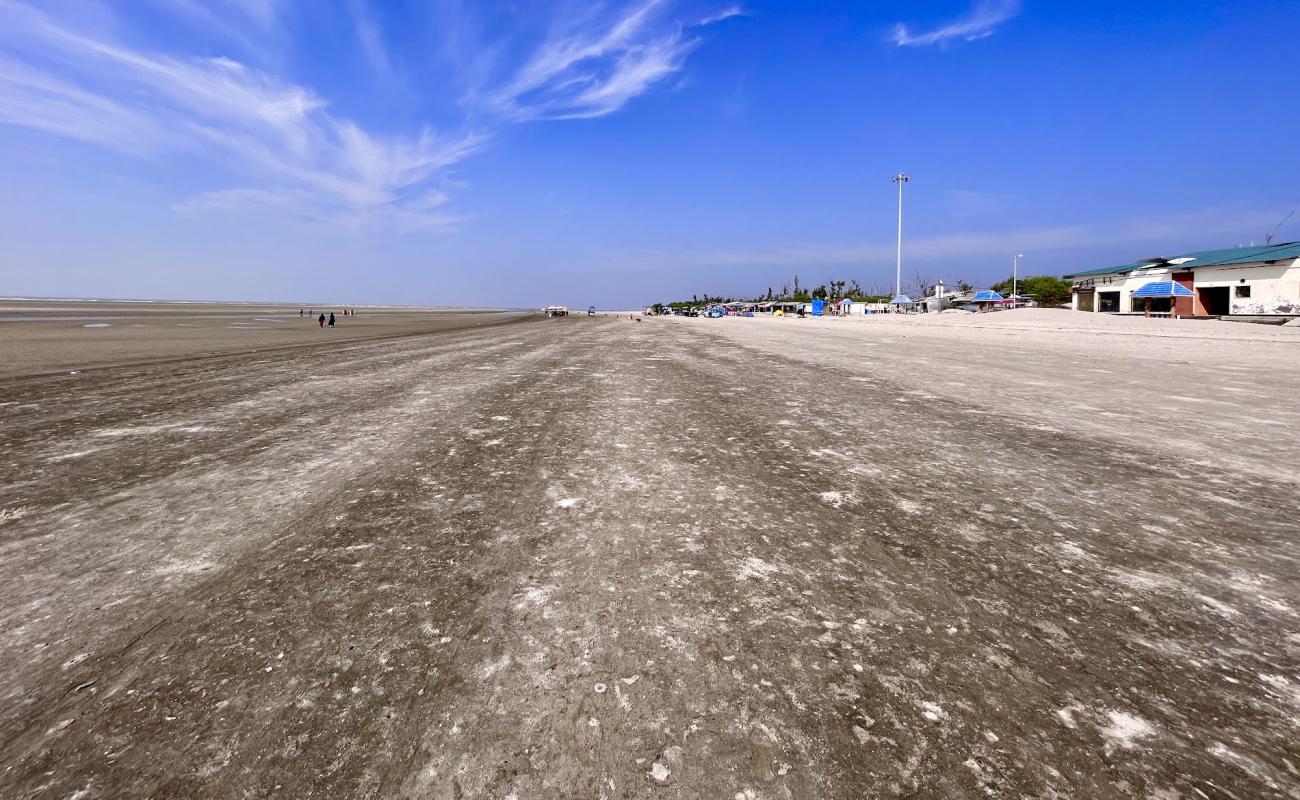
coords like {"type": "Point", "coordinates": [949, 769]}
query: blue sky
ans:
{"type": "Point", "coordinates": [460, 152]}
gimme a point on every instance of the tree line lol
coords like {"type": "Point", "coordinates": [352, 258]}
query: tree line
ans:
{"type": "Point", "coordinates": [1046, 289]}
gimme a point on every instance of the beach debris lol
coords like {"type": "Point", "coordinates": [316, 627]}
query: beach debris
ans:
{"type": "Point", "coordinates": [600, 688]}
{"type": "Point", "coordinates": [660, 772]}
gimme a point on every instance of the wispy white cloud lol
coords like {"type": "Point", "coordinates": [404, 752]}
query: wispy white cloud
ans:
{"type": "Point", "coordinates": [719, 16]}
{"type": "Point", "coordinates": [91, 80]}
{"type": "Point", "coordinates": [268, 130]}
{"type": "Point", "coordinates": [371, 37]}
{"type": "Point", "coordinates": [981, 22]}
{"type": "Point", "coordinates": [593, 65]}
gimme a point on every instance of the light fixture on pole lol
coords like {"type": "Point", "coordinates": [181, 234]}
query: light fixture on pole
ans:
{"type": "Point", "coordinates": [900, 179]}
{"type": "Point", "coordinates": [1015, 266]}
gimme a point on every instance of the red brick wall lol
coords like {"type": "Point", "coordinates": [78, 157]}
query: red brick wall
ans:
{"type": "Point", "coordinates": [1187, 306]}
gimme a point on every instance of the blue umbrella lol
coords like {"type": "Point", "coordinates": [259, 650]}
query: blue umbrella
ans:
{"type": "Point", "coordinates": [901, 300]}
{"type": "Point", "coordinates": [1162, 289]}
{"type": "Point", "coordinates": [987, 296]}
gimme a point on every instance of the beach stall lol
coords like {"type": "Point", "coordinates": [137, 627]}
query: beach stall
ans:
{"type": "Point", "coordinates": [901, 302]}
{"type": "Point", "coordinates": [1158, 297]}
{"type": "Point", "coordinates": [986, 299]}
{"type": "Point", "coordinates": [848, 308]}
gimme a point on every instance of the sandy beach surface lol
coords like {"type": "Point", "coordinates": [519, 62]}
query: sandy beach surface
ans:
{"type": "Point", "coordinates": [1026, 554]}
{"type": "Point", "coordinates": [43, 336]}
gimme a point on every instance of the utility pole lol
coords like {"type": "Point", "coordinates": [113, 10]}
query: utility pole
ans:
{"type": "Point", "coordinates": [900, 179]}
{"type": "Point", "coordinates": [1015, 267]}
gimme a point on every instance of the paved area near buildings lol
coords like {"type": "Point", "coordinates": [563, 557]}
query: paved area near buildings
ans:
{"type": "Point", "coordinates": [680, 558]}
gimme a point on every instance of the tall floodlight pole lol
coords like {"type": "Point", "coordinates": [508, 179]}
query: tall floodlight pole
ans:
{"type": "Point", "coordinates": [900, 179]}
{"type": "Point", "coordinates": [1015, 266]}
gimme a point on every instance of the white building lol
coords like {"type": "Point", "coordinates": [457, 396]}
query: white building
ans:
{"type": "Point", "coordinates": [1244, 281]}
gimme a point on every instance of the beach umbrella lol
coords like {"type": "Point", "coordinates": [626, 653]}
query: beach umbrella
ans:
{"type": "Point", "coordinates": [987, 296]}
{"type": "Point", "coordinates": [1162, 289]}
{"type": "Point", "coordinates": [901, 300]}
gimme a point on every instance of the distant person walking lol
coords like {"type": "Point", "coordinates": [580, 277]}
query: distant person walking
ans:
{"type": "Point", "coordinates": [322, 320]}
{"type": "Point", "coordinates": [331, 319]}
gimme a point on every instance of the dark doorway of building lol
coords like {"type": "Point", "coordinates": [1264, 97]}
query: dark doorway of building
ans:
{"type": "Point", "coordinates": [1108, 302]}
{"type": "Point", "coordinates": [1215, 300]}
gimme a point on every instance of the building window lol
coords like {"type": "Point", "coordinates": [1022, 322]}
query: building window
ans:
{"type": "Point", "coordinates": [1108, 302]}
{"type": "Point", "coordinates": [1242, 291]}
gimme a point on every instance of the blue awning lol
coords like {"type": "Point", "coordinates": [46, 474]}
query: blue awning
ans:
{"type": "Point", "coordinates": [986, 296]}
{"type": "Point", "coordinates": [1163, 289]}
{"type": "Point", "coordinates": [901, 300]}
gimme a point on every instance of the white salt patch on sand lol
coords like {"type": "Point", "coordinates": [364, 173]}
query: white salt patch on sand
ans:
{"type": "Point", "coordinates": [149, 430]}
{"type": "Point", "coordinates": [1125, 730]}
{"type": "Point", "coordinates": [78, 454]}
{"type": "Point", "coordinates": [1073, 550]}
{"type": "Point", "coordinates": [500, 418]}
{"type": "Point", "coordinates": [1259, 770]}
{"type": "Point", "coordinates": [909, 506]}
{"type": "Point", "coordinates": [1218, 606]}
{"type": "Point", "coordinates": [180, 567]}
{"type": "Point", "coordinates": [835, 499]}
{"type": "Point", "coordinates": [567, 502]}
{"type": "Point", "coordinates": [493, 667]}
{"type": "Point", "coordinates": [12, 514]}
{"type": "Point", "coordinates": [932, 711]}
{"type": "Point", "coordinates": [756, 568]}
{"type": "Point", "coordinates": [98, 325]}
{"type": "Point", "coordinates": [533, 597]}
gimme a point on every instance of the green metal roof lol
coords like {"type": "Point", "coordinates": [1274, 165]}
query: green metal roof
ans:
{"type": "Point", "coordinates": [1104, 271]}
{"type": "Point", "coordinates": [1208, 258]}
{"type": "Point", "coordinates": [1244, 255]}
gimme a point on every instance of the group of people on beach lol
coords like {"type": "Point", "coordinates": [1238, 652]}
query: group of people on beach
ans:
{"type": "Point", "coordinates": [321, 320]}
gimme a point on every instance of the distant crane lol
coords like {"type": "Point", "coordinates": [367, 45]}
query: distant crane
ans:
{"type": "Point", "coordinates": [1269, 239]}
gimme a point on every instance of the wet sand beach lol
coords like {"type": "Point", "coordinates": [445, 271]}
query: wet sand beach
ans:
{"type": "Point", "coordinates": [59, 335]}
{"type": "Point", "coordinates": [1015, 556]}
